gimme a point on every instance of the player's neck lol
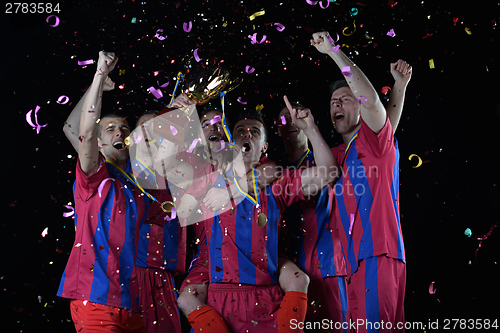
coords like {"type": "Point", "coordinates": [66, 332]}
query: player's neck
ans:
{"type": "Point", "coordinates": [347, 136]}
{"type": "Point", "coordinates": [295, 150]}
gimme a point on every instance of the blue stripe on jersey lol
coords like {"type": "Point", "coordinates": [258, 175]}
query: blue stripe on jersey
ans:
{"type": "Point", "coordinates": [344, 219]}
{"type": "Point", "coordinates": [216, 265]}
{"type": "Point", "coordinates": [170, 244]}
{"type": "Point", "coordinates": [394, 195]}
{"type": "Point", "coordinates": [324, 247]}
{"type": "Point", "coordinates": [341, 280]}
{"type": "Point", "coordinates": [364, 199]}
{"type": "Point", "coordinates": [142, 249]}
{"type": "Point", "coordinates": [127, 251]}
{"type": "Point", "coordinates": [100, 283]}
{"type": "Point", "coordinates": [243, 239]}
{"type": "Point", "coordinates": [273, 215]}
{"type": "Point", "coordinates": [371, 294]}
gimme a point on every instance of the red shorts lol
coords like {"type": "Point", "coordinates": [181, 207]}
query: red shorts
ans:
{"type": "Point", "coordinates": [247, 308]}
{"type": "Point", "coordinates": [157, 301]}
{"type": "Point", "coordinates": [327, 299]}
{"type": "Point", "coordinates": [94, 317]}
{"type": "Point", "coordinates": [376, 293]}
{"type": "Point", "coordinates": [198, 273]}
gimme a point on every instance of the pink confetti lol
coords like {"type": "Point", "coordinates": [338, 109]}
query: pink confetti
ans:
{"type": "Point", "coordinates": [28, 119]}
{"type": "Point", "coordinates": [187, 27]}
{"type": "Point", "coordinates": [222, 145]}
{"type": "Point", "coordinates": [432, 290]}
{"type": "Point", "coordinates": [173, 130]}
{"type": "Point", "coordinates": [331, 39]}
{"type": "Point", "coordinates": [68, 214]}
{"type": "Point", "coordinates": [215, 119]}
{"type": "Point", "coordinates": [101, 185]}
{"type": "Point", "coordinates": [160, 37]}
{"type": "Point", "coordinates": [253, 38]}
{"type": "Point", "coordinates": [391, 33]}
{"type": "Point", "coordinates": [239, 100]}
{"type": "Point", "coordinates": [360, 101]}
{"type": "Point", "coordinates": [327, 4]}
{"type": "Point", "coordinates": [195, 53]}
{"type": "Point", "coordinates": [312, 3]}
{"type": "Point", "coordinates": [283, 120]}
{"type": "Point", "coordinates": [336, 48]}
{"type": "Point", "coordinates": [156, 92]}
{"type": "Point", "coordinates": [173, 215]}
{"type": "Point", "coordinates": [351, 223]}
{"type": "Point", "coordinates": [195, 141]}
{"type": "Point", "coordinates": [139, 137]}
{"type": "Point", "coordinates": [56, 23]}
{"type": "Point", "coordinates": [249, 69]}
{"type": "Point", "coordinates": [45, 232]}
{"type": "Point", "coordinates": [345, 71]}
{"type": "Point", "coordinates": [61, 98]}
{"type": "Point", "coordinates": [85, 62]}
{"type": "Point", "coordinates": [165, 84]}
{"type": "Point", "coordinates": [280, 27]}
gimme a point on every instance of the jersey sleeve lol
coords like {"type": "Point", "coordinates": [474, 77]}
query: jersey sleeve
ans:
{"type": "Point", "coordinates": [378, 144]}
{"type": "Point", "coordinates": [287, 189]}
{"type": "Point", "coordinates": [87, 186]}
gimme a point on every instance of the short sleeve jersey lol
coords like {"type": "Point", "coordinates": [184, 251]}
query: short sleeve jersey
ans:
{"type": "Point", "coordinates": [367, 197]}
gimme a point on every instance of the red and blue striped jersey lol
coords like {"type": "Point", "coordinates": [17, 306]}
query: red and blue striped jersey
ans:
{"type": "Point", "coordinates": [240, 250]}
{"type": "Point", "coordinates": [101, 264]}
{"type": "Point", "coordinates": [312, 238]}
{"type": "Point", "coordinates": [367, 197]}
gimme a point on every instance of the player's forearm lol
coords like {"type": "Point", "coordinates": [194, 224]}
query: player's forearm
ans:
{"type": "Point", "coordinates": [357, 80]}
{"type": "Point", "coordinates": [395, 105]}
{"type": "Point", "coordinates": [91, 108]}
{"type": "Point", "coordinates": [265, 175]}
{"type": "Point", "coordinates": [72, 124]}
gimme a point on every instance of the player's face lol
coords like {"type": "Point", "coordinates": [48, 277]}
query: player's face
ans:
{"type": "Point", "coordinates": [112, 140]}
{"type": "Point", "coordinates": [212, 130]}
{"type": "Point", "coordinates": [249, 135]}
{"type": "Point", "coordinates": [289, 132]}
{"type": "Point", "coordinates": [344, 110]}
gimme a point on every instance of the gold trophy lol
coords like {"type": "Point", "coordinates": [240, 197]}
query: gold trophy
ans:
{"type": "Point", "coordinates": [200, 81]}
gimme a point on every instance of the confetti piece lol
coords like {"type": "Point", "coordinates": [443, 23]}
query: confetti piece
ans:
{"type": "Point", "coordinates": [354, 11]}
{"type": "Point", "coordinates": [222, 145]}
{"type": "Point", "coordinates": [85, 62]}
{"type": "Point", "coordinates": [351, 223]}
{"type": "Point", "coordinates": [127, 141]}
{"type": "Point", "coordinates": [336, 48]}
{"type": "Point", "coordinates": [45, 232]}
{"type": "Point", "coordinates": [68, 214]}
{"type": "Point", "coordinates": [160, 37]}
{"type": "Point", "coordinates": [139, 137]}
{"type": "Point", "coordinates": [254, 15]}
{"type": "Point", "coordinates": [312, 3]}
{"type": "Point", "coordinates": [56, 23]}
{"type": "Point", "coordinates": [283, 120]}
{"type": "Point", "coordinates": [280, 27]}
{"type": "Point", "coordinates": [173, 130]}
{"type": "Point", "coordinates": [173, 215]}
{"type": "Point", "coordinates": [353, 31]}
{"type": "Point", "coordinates": [101, 185]}
{"type": "Point", "coordinates": [419, 160]}
{"type": "Point", "coordinates": [361, 101]}
{"type": "Point", "coordinates": [259, 107]}
{"type": "Point", "coordinates": [239, 100]}
{"type": "Point", "coordinates": [187, 26]}
{"type": "Point", "coordinates": [391, 33]}
{"type": "Point", "coordinates": [165, 84]}
{"type": "Point", "coordinates": [78, 245]}
{"type": "Point", "coordinates": [195, 141]}
{"type": "Point", "coordinates": [134, 20]}
{"type": "Point", "coordinates": [327, 4]}
{"type": "Point", "coordinates": [432, 290]}
{"type": "Point", "coordinates": [156, 92]}
{"type": "Point", "coordinates": [85, 303]}
{"type": "Point", "coordinates": [215, 119]}
{"type": "Point", "coordinates": [195, 53]}
{"type": "Point", "coordinates": [28, 119]}
{"type": "Point", "coordinates": [385, 90]}
{"type": "Point", "coordinates": [249, 69]}
{"type": "Point", "coordinates": [346, 71]}
{"type": "Point", "coordinates": [431, 63]}
{"type": "Point", "coordinates": [253, 38]}
{"type": "Point", "coordinates": [468, 232]}
{"type": "Point", "coordinates": [467, 30]}
{"type": "Point", "coordinates": [61, 98]}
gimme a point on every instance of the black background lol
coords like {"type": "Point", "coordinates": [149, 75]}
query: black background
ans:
{"type": "Point", "coordinates": [450, 120]}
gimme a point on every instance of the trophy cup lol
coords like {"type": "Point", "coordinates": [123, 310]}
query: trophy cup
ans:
{"type": "Point", "coordinates": [200, 81]}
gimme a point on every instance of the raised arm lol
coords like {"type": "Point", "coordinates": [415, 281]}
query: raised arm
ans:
{"type": "Point", "coordinates": [401, 72]}
{"type": "Point", "coordinates": [372, 109]}
{"type": "Point", "coordinates": [72, 124]}
{"type": "Point", "coordinates": [326, 169]}
{"type": "Point", "coordinates": [88, 149]}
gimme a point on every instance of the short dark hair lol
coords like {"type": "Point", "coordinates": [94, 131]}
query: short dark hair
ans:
{"type": "Point", "coordinates": [137, 123]}
{"type": "Point", "coordinates": [108, 115]}
{"type": "Point", "coordinates": [254, 115]}
{"type": "Point", "coordinates": [337, 85]}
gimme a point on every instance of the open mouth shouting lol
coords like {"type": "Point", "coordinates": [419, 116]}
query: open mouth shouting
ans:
{"type": "Point", "coordinates": [246, 147]}
{"type": "Point", "coordinates": [119, 145]}
{"type": "Point", "coordinates": [338, 116]}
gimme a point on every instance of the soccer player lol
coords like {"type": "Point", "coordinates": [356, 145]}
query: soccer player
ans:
{"type": "Point", "coordinates": [366, 196]}
{"type": "Point", "coordinates": [243, 249]}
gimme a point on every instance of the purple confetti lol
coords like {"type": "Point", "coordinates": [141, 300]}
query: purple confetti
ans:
{"type": "Point", "coordinates": [312, 3]}
{"type": "Point", "coordinates": [215, 119]}
{"type": "Point", "coordinates": [61, 98]}
{"type": "Point", "coordinates": [240, 101]}
{"type": "Point", "coordinates": [345, 71]}
{"type": "Point", "coordinates": [160, 37]}
{"type": "Point", "coordinates": [327, 4]}
{"type": "Point", "coordinates": [68, 214]}
{"type": "Point", "coordinates": [165, 84]}
{"type": "Point", "coordinates": [86, 62]}
{"type": "Point", "coordinates": [187, 27]}
{"type": "Point", "coordinates": [249, 69]}
{"type": "Point", "coordinates": [391, 33]}
{"type": "Point", "coordinates": [56, 23]}
{"type": "Point", "coordinates": [351, 223]}
{"type": "Point", "coordinates": [280, 27]}
{"type": "Point", "coordinates": [101, 185]}
{"type": "Point", "coordinates": [253, 38]}
{"type": "Point", "coordinates": [28, 119]}
{"type": "Point", "coordinates": [222, 145]}
{"type": "Point", "coordinates": [360, 101]}
{"type": "Point", "coordinates": [173, 130]}
{"type": "Point", "coordinates": [190, 150]}
{"type": "Point", "coordinates": [173, 215]}
{"type": "Point", "coordinates": [156, 92]}
{"type": "Point", "coordinates": [195, 53]}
